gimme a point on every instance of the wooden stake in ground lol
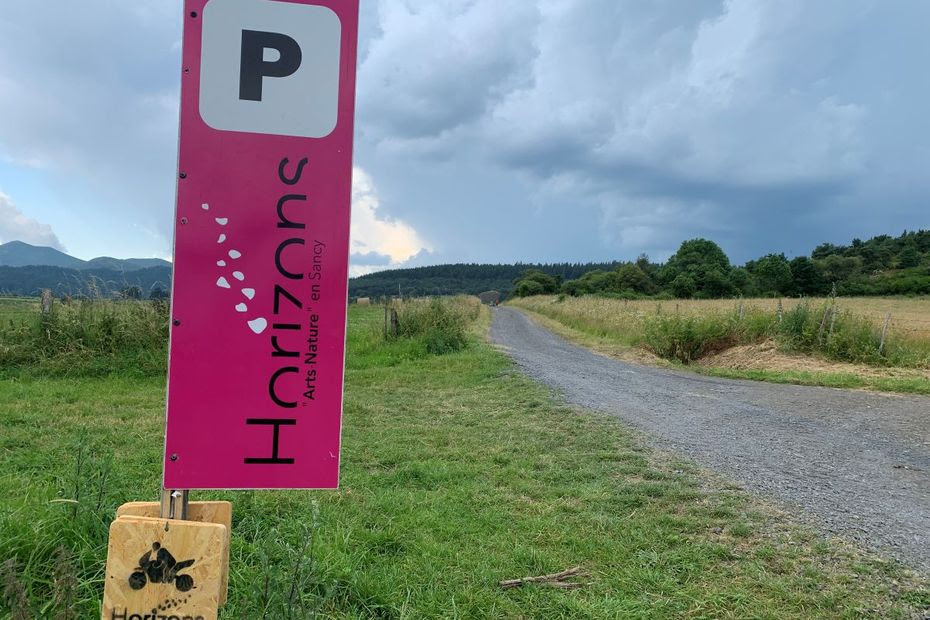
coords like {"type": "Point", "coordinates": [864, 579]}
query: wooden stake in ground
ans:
{"type": "Point", "coordinates": [881, 345]}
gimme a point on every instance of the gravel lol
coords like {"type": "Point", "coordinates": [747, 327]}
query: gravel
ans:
{"type": "Point", "coordinates": [855, 463]}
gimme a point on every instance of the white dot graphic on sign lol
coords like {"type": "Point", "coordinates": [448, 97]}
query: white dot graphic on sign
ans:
{"type": "Point", "coordinates": [222, 282]}
{"type": "Point", "coordinates": [249, 292]}
{"type": "Point", "coordinates": [221, 239]}
{"type": "Point", "coordinates": [239, 275]}
{"type": "Point", "coordinates": [234, 254]}
{"type": "Point", "coordinates": [222, 221]}
{"type": "Point", "coordinates": [258, 325]}
{"type": "Point", "coordinates": [220, 263]}
{"type": "Point", "coordinates": [270, 67]}
{"type": "Point", "coordinates": [242, 308]}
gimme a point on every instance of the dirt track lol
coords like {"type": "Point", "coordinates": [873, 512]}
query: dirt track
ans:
{"type": "Point", "coordinates": [858, 463]}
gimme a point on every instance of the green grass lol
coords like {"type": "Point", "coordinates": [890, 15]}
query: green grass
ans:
{"type": "Point", "coordinates": [16, 309]}
{"type": "Point", "coordinates": [821, 379]}
{"type": "Point", "coordinates": [458, 472]}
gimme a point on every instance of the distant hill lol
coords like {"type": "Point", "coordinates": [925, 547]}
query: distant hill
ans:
{"type": "Point", "coordinates": [27, 269]}
{"type": "Point", "coordinates": [470, 279]}
{"type": "Point", "coordinates": [20, 254]}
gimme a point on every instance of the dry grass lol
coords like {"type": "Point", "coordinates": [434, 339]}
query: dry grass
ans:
{"type": "Point", "coordinates": [754, 344]}
{"type": "Point", "coordinates": [910, 317]}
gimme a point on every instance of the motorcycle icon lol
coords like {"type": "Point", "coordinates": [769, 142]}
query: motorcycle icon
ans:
{"type": "Point", "coordinates": [162, 569]}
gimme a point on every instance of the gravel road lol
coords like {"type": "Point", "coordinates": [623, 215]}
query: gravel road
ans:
{"type": "Point", "coordinates": [857, 463]}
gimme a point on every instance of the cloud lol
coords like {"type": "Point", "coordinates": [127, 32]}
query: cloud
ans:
{"type": "Point", "coordinates": [16, 226]}
{"type": "Point", "coordinates": [378, 241]}
{"type": "Point", "coordinates": [411, 84]}
{"type": "Point", "coordinates": [90, 97]}
{"type": "Point", "coordinates": [531, 130]}
{"type": "Point", "coordinates": [664, 120]}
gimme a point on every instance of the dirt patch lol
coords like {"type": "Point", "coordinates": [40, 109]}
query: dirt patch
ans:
{"type": "Point", "coordinates": [767, 356]}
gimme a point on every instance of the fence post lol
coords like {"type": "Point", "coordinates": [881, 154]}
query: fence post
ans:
{"type": "Point", "coordinates": [823, 323]}
{"type": "Point", "coordinates": [47, 301]}
{"type": "Point", "coordinates": [881, 345]}
{"type": "Point", "coordinates": [781, 311]}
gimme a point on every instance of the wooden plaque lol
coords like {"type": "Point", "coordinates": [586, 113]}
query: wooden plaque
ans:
{"type": "Point", "coordinates": [159, 568]}
{"type": "Point", "coordinates": [201, 512]}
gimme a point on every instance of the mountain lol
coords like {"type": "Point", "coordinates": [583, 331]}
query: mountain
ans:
{"type": "Point", "coordinates": [27, 269]}
{"type": "Point", "coordinates": [20, 254]}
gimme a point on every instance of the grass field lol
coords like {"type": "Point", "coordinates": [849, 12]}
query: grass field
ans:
{"type": "Point", "coordinates": [910, 316]}
{"type": "Point", "coordinates": [457, 472]}
{"type": "Point", "coordinates": [14, 310]}
{"type": "Point", "coordinates": [834, 343]}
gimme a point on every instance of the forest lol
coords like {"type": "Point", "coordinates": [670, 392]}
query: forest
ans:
{"type": "Point", "coordinates": [150, 282]}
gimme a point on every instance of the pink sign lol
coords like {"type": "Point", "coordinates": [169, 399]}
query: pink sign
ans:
{"type": "Point", "coordinates": [261, 244]}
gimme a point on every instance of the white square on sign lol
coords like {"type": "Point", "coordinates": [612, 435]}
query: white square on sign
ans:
{"type": "Point", "coordinates": [270, 67]}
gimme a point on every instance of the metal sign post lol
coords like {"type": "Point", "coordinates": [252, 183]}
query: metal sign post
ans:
{"type": "Point", "coordinates": [259, 287]}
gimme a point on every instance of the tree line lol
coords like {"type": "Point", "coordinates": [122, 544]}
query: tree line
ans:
{"type": "Point", "coordinates": [882, 265]}
{"type": "Point", "coordinates": [148, 283]}
{"type": "Point", "coordinates": [469, 279]}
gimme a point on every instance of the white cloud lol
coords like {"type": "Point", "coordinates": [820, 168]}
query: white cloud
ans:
{"type": "Point", "coordinates": [377, 235]}
{"type": "Point", "coordinates": [16, 226]}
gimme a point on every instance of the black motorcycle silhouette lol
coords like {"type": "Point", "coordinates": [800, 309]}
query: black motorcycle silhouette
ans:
{"type": "Point", "coordinates": [163, 569]}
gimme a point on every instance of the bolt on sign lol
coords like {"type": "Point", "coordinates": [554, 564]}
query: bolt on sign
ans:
{"type": "Point", "coordinates": [261, 244]}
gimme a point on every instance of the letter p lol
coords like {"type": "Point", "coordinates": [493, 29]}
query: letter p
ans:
{"type": "Point", "coordinates": [254, 68]}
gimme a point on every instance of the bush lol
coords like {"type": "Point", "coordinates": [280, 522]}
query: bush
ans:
{"type": "Point", "coordinates": [687, 338]}
{"type": "Point", "coordinates": [440, 324]}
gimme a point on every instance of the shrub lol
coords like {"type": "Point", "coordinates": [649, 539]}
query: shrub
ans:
{"type": "Point", "coordinates": [440, 324]}
{"type": "Point", "coordinates": [687, 338]}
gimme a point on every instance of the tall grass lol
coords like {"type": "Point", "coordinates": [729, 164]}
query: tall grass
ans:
{"type": "Point", "coordinates": [87, 338]}
{"type": "Point", "coordinates": [824, 331]}
{"type": "Point", "coordinates": [810, 327]}
{"type": "Point", "coordinates": [439, 324]}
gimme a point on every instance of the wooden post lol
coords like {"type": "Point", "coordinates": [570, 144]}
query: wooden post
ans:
{"type": "Point", "coordinates": [881, 345]}
{"type": "Point", "coordinates": [47, 300]}
{"type": "Point", "coordinates": [781, 311]}
{"type": "Point", "coordinates": [823, 324]}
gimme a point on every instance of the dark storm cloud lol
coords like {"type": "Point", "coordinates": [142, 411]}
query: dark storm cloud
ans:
{"type": "Point", "coordinates": [768, 126]}
{"type": "Point", "coordinates": [531, 130]}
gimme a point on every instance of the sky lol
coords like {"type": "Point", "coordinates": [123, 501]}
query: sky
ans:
{"type": "Point", "coordinates": [489, 131]}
